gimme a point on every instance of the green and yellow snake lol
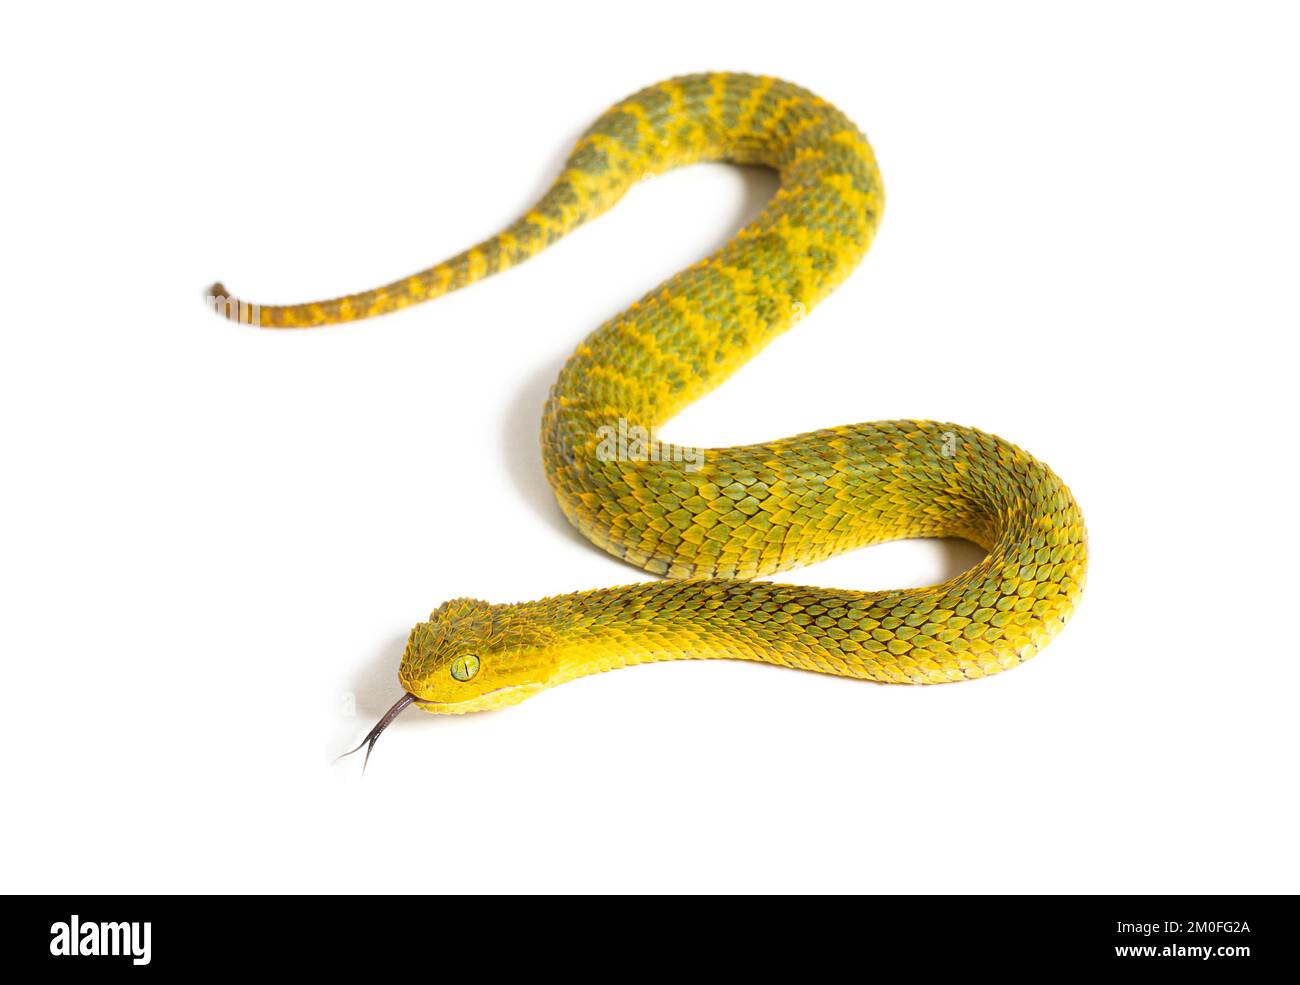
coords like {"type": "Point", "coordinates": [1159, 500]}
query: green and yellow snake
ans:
{"type": "Point", "coordinates": [711, 521]}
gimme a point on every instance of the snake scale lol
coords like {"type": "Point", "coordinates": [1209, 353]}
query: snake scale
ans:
{"type": "Point", "coordinates": [711, 521]}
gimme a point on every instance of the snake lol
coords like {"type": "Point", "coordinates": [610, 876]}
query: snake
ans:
{"type": "Point", "coordinates": [714, 523]}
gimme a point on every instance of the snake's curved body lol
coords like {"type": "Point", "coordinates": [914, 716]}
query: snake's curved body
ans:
{"type": "Point", "coordinates": [712, 520]}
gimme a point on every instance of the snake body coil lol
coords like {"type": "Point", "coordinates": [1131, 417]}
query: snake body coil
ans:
{"type": "Point", "coordinates": [712, 520]}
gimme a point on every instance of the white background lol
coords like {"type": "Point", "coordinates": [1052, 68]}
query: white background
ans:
{"type": "Point", "coordinates": [216, 539]}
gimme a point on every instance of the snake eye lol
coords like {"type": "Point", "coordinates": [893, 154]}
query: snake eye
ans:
{"type": "Point", "coordinates": [463, 668]}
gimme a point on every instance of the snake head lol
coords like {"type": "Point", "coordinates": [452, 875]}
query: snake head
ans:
{"type": "Point", "coordinates": [474, 656]}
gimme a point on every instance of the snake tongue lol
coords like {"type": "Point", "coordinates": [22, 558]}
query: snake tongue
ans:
{"type": "Point", "coordinates": [404, 702]}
